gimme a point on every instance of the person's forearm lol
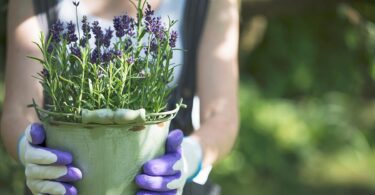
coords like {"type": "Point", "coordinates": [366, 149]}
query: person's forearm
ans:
{"type": "Point", "coordinates": [12, 127]}
{"type": "Point", "coordinates": [217, 136]}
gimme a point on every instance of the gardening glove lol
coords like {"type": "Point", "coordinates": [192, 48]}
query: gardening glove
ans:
{"type": "Point", "coordinates": [167, 174]}
{"type": "Point", "coordinates": [47, 170]}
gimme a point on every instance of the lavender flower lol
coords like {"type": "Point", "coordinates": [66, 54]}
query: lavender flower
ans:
{"type": "Point", "coordinates": [154, 46]}
{"type": "Point", "coordinates": [119, 26]}
{"type": "Point", "coordinates": [76, 3]}
{"type": "Point", "coordinates": [107, 37]}
{"type": "Point", "coordinates": [83, 42]}
{"type": "Point", "coordinates": [95, 56]}
{"type": "Point", "coordinates": [158, 28]}
{"type": "Point", "coordinates": [124, 25]}
{"type": "Point", "coordinates": [128, 44]}
{"type": "Point", "coordinates": [149, 13]}
{"type": "Point", "coordinates": [107, 56]}
{"type": "Point", "coordinates": [75, 51]}
{"type": "Point", "coordinates": [117, 53]}
{"type": "Point", "coordinates": [86, 30]}
{"type": "Point", "coordinates": [173, 39]}
{"type": "Point", "coordinates": [98, 32]}
{"type": "Point", "coordinates": [155, 26]}
{"type": "Point", "coordinates": [56, 30]}
{"type": "Point", "coordinates": [128, 25]}
{"type": "Point", "coordinates": [70, 35]}
{"type": "Point", "coordinates": [50, 48]}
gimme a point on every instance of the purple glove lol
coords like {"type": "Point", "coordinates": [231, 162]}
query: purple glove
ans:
{"type": "Point", "coordinates": [167, 174]}
{"type": "Point", "coordinates": [47, 170]}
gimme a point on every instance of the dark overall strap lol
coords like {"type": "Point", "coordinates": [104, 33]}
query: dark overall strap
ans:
{"type": "Point", "coordinates": [194, 20]}
{"type": "Point", "coordinates": [46, 11]}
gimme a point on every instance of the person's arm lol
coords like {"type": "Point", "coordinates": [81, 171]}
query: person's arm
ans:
{"type": "Point", "coordinates": [218, 81]}
{"type": "Point", "coordinates": [217, 89]}
{"type": "Point", "coordinates": [20, 86]}
{"type": "Point", "coordinates": [47, 171]}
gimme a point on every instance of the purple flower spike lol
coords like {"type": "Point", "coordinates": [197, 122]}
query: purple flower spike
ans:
{"type": "Point", "coordinates": [117, 53]}
{"type": "Point", "coordinates": [128, 25]}
{"type": "Point", "coordinates": [50, 48]}
{"type": "Point", "coordinates": [153, 24]}
{"type": "Point", "coordinates": [107, 37]}
{"type": "Point", "coordinates": [75, 51]}
{"type": "Point", "coordinates": [56, 30]}
{"type": "Point", "coordinates": [71, 36]}
{"type": "Point", "coordinates": [76, 3]}
{"type": "Point", "coordinates": [124, 25]}
{"type": "Point", "coordinates": [149, 13]}
{"type": "Point", "coordinates": [173, 39]}
{"type": "Point", "coordinates": [86, 32]}
{"type": "Point", "coordinates": [95, 56]}
{"type": "Point", "coordinates": [83, 42]}
{"type": "Point", "coordinates": [86, 27]}
{"type": "Point", "coordinates": [153, 47]}
{"type": "Point", "coordinates": [128, 44]}
{"type": "Point", "coordinates": [98, 32]}
{"type": "Point", "coordinates": [107, 56]}
{"type": "Point", "coordinates": [119, 27]}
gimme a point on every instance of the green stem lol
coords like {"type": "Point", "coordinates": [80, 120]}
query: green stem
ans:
{"type": "Point", "coordinates": [79, 33]}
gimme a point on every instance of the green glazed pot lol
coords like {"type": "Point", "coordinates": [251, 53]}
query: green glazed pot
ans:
{"type": "Point", "coordinates": [110, 156]}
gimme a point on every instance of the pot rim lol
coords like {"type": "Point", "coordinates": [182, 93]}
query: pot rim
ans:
{"type": "Point", "coordinates": [153, 118]}
{"type": "Point", "coordinates": [92, 125]}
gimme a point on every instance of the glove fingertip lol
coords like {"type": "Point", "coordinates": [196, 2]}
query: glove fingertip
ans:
{"type": "Point", "coordinates": [35, 133]}
{"type": "Point", "coordinates": [63, 158]}
{"type": "Point", "coordinates": [174, 140]}
{"type": "Point", "coordinates": [73, 174]}
{"type": "Point", "coordinates": [70, 190]}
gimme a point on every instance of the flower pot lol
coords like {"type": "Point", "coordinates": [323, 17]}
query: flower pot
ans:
{"type": "Point", "coordinates": [110, 156]}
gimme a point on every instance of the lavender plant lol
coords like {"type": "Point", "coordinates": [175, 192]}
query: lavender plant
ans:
{"type": "Point", "coordinates": [131, 72]}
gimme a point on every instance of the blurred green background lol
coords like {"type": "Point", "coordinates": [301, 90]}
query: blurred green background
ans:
{"type": "Point", "coordinates": [306, 97]}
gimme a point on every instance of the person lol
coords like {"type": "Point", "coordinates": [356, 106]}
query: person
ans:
{"type": "Point", "coordinates": [49, 171]}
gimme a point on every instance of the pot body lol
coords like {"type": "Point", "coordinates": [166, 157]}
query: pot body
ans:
{"type": "Point", "coordinates": [108, 156]}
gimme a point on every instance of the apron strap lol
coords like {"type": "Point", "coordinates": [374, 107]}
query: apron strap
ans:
{"type": "Point", "coordinates": [46, 12]}
{"type": "Point", "coordinates": [194, 20]}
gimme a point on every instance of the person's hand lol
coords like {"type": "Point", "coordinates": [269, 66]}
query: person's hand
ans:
{"type": "Point", "coordinates": [47, 170]}
{"type": "Point", "coordinates": [167, 174]}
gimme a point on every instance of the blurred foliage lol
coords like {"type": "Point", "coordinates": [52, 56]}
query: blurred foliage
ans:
{"type": "Point", "coordinates": [307, 109]}
{"type": "Point", "coordinates": [11, 174]}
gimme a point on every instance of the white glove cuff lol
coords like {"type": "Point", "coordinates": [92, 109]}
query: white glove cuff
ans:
{"type": "Point", "coordinates": [21, 148]}
{"type": "Point", "coordinates": [193, 154]}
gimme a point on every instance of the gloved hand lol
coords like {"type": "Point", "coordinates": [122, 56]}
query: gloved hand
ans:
{"type": "Point", "coordinates": [167, 174]}
{"type": "Point", "coordinates": [47, 170]}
